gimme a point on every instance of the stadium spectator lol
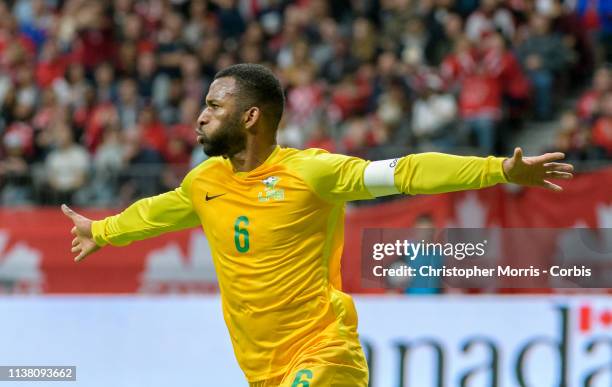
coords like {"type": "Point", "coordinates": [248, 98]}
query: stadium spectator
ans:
{"type": "Point", "coordinates": [201, 22]}
{"type": "Point", "coordinates": [503, 65]}
{"type": "Point", "coordinates": [66, 166]}
{"type": "Point", "coordinates": [183, 129]}
{"type": "Point", "coordinates": [51, 64]}
{"type": "Point", "coordinates": [151, 130]}
{"type": "Point", "coordinates": [193, 84]}
{"type": "Point", "coordinates": [209, 50]}
{"type": "Point", "coordinates": [27, 89]}
{"type": "Point", "coordinates": [575, 140]}
{"type": "Point", "coordinates": [323, 49]}
{"type": "Point", "coordinates": [357, 136]}
{"type": "Point", "coordinates": [14, 167]}
{"type": "Point", "coordinates": [491, 16]}
{"type": "Point", "coordinates": [434, 114]}
{"type": "Point", "coordinates": [458, 64]}
{"type": "Point", "coordinates": [588, 103]}
{"type": "Point", "coordinates": [320, 138]}
{"type": "Point", "coordinates": [340, 63]}
{"type": "Point", "coordinates": [365, 41]}
{"type": "Point", "coordinates": [42, 123]}
{"type": "Point", "coordinates": [107, 166]}
{"type": "Point", "coordinates": [95, 40]}
{"type": "Point", "coordinates": [596, 17]}
{"type": "Point", "coordinates": [602, 130]}
{"type": "Point", "coordinates": [444, 28]}
{"type": "Point", "coordinates": [305, 97]}
{"type": "Point", "coordinates": [150, 86]}
{"type": "Point", "coordinates": [181, 139]}
{"type": "Point", "coordinates": [34, 24]}
{"type": "Point", "coordinates": [170, 45]}
{"type": "Point", "coordinates": [231, 22]}
{"type": "Point", "coordinates": [106, 88]}
{"type": "Point", "coordinates": [544, 56]}
{"type": "Point", "coordinates": [21, 125]}
{"type": "Point", "coordinates": [101, 115]}
{"type": "Point", "coordinates": [394, 17]}
{"type": "Point", "coordinates": [480, 105]}
{"type": "Point", "coordinates": [72, 90]}
{"type": "Point", "coordinates": [393, 115]}
{"type": "Point", "coordinates": [128, 104]}
{"type": "Point", "coordinates": [145, 165]}
{"type": "Point", "coordinates": [385, 73]}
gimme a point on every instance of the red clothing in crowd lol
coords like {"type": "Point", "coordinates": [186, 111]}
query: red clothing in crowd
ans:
{"type": "Point", "coordinates": [49, 71]}
{"type": "Point", "coordinates": [100, 116]}
{"type": "Point", "coordinates": [503, 66]}
{"type": "Point", "coordinates": [184, 132]}
{"type": "Point", "coordinates": [6, 39]}
{"type": "Point", "coordinates": [94, 47]}
{"type": "Point", "coordinates": [44, 117]}
{"type": "Point", "coordinates": [303, 101]}
{"type": "Point", "coordinates": [480, 96]}
{"type": "Point", "coordinates": [154, 135]}
{"type": "Point", "coordinates": [351, 97]}
{"type": "Point", "coordinates": [587, 104]}
{"type": "Point", "coordinates": [177, 152]}
{"type": "Point", "coordinates": [456, 66]}
{"type": "Point", "coordinates": [322, 143]}
{"type": "Point", "coordinates": [23, 133]}
{"type": "Point", "coordinates": [602, 134]}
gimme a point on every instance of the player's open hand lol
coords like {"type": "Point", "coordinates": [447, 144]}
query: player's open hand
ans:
{"type": "Point", "coordinates": [83, 242]}
{"type": "Point", "coordinates": [537, 170]}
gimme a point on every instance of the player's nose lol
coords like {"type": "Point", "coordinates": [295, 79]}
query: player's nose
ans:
{"type": "Point", "coordinates": [203, 119]}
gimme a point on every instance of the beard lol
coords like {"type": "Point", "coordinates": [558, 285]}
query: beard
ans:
{"type": "Point", "coordinates": [228, 140]}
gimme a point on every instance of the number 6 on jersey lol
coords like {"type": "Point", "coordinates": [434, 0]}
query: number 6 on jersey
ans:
{"type": "Point", "coordinates": [244, 246]}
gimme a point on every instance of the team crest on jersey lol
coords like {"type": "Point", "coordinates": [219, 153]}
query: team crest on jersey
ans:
{"type": "Point", "coordinates": [270, 191]}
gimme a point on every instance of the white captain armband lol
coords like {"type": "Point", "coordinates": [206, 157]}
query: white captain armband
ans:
{"type": "Point", "coordinates": [379, 177]}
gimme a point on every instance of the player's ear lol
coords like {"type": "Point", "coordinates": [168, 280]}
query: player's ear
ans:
{"type": "Point", "coordinates": [251, 116]}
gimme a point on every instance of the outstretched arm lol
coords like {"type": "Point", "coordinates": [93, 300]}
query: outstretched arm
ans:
{"type": "Point", "coordinates": [437, 172]}
{"type": "Point", "coordinates": [340, 178]}
{"type": "Point", "coordinates": [145, 218]}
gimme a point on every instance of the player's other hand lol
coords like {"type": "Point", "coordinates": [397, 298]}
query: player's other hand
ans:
{"type": "Point", "coordinates": [537, 170]}
{"type": "Point", "coordinates": [83, 242]}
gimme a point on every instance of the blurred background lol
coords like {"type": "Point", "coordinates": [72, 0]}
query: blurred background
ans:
{"type": "Point", "coordinates": [98, 101]}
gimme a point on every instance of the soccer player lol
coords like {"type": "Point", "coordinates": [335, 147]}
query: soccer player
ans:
{"type": "Point", "coordinates": [274, 218]}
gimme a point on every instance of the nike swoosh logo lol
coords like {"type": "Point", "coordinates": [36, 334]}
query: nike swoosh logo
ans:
{"type": "Point", "coordinates": [213, 197]}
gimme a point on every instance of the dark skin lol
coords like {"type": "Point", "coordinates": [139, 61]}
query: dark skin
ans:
{"type": "Point", "coordinates": [227, 117]}
{"type": "Point", "coordinates": [222, 106]}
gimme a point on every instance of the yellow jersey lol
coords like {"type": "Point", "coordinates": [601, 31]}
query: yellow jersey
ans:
{"type": "Point", "coordinates": [276, 236]}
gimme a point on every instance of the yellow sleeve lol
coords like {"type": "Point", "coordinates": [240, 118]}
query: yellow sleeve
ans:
{"type": "Point", "coordinates": [334, 177]}
{"type": "Point", "coordinates": [338, 178]}
{"type": "Point", "coordinates": [428, 173]}
{"type": "Point", "coordinates": [149, 217]}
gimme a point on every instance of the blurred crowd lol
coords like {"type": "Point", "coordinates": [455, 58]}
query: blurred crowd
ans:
{"type": "Point", "coordinates": [98, 99]}
{"type": "Point", "coordinates": [585, 130]}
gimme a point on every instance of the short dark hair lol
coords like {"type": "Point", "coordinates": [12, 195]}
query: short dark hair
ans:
{"type": "Point", "coordinates": [258, 86]}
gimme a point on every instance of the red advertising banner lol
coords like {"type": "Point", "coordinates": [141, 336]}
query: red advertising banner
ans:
{"type": "Point", "coordinates": [35, 252]}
